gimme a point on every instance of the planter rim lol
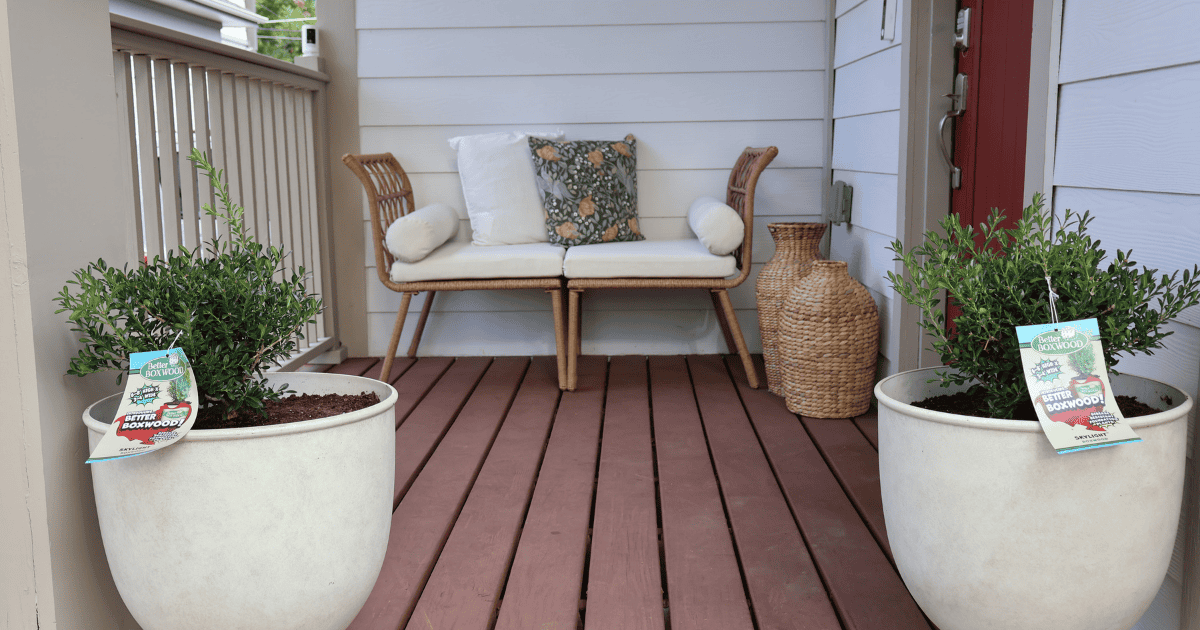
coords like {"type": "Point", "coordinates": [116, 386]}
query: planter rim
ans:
{"type": "Point", "coordinates": [1183, 404]}
{"type": "Point", "coordinates": [304, 426]}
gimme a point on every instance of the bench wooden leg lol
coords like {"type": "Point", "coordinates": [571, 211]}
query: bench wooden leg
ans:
{"type": "Point", "coordinates": [736, 330]}
{"type": "Point", "coordinates": [416, 340]}
{"type": "Point", "coordinates": [729, 343]}
{"type": "Point", "coordinates": [395, 341]}
{"type": "Point", "coordinates": [573, 342]}
{"type": "Point", "coordinates": [560, 341]}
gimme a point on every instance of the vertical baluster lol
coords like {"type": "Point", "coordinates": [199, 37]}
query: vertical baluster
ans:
{"type": "Point", "coordinates": [202, 116]}
{"type": "Point", "coordinates": [294, 207]}
{"type": "Point", "coordinates": [189, 207]}
{"type": "Point", "coordinates": [168, 179]}
{"type": "Point", "coordinates": [315, 206]}
{"type": "Point", "coordinates": [272, 149]}
{"type": "Point", "coordinates": [257, 162]}
{"type": "Point", "coordinates": [147, 155]}
{"type": "Point", "coordinates": [232, 127]}
{"type": "Point", "coordinates": [123, 76]}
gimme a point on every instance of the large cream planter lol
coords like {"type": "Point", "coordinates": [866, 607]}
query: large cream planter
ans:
{"type": "Point", "coordinates": [276, 527]}
{"type": "Point", "coordinates": [992, 529]}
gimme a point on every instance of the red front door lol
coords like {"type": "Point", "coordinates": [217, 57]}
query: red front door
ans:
{"type": "Point", "coordinates": [989, 137]}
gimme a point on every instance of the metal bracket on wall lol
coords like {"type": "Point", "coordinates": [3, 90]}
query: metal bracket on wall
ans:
{"type": "Point", "coordinates": [958, 105]}
{"type": "Point", "coordinates": [839, 202]}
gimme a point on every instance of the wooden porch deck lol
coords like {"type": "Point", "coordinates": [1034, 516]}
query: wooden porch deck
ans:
{"type": "Point", "coordinates": [663, 493]}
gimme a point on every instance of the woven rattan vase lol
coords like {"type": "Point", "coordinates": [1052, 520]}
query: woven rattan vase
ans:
{"type": "Point", "coordinates": [796, 245]}
{"type": "Point", "coordinates": [828, 343]}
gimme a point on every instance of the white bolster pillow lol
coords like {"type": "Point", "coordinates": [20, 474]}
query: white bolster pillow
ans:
{"type": "Point", "coordinates": [718, 226]}
{"type": "Point", "coordinates": [411, 237]}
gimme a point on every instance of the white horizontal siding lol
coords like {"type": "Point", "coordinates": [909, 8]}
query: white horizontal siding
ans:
{"type": "Point", "coordinates": [866, 152]}
{"type": "Point", "coordinates": [1137, 221]}
{"type": "Point", "coordinates": [1127, 151]}
{"type": "Point", "coordinates": [858, 32]}
{"type": "Point", "coordinates": [696, 83]}
{"type": "Point", "coordinates": [661, 146]}
{"type": "Point", "coordinates": [565, 99]}
{"type": "Point", "coordinates": [874, 205]}
{"type": "Point", "coordinates": [870, 86]}
{"type": "Point", "coordinates": [869, 143]}
{"type": "Point", "coordinates": [374, 14]}
{"type": "Point", "coordinates": [1107, 37]}
{"type": "Point", "coordinates": [1131, 132]}
{"type": "Point", "coordinates": [643, 49]}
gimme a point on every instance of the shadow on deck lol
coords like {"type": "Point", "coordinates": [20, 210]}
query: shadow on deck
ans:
{"type": "Point", "coordinates": [662, 493]}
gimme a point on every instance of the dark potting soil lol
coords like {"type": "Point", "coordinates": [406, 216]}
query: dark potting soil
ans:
{"type": "Point", "coordinates": [967, 404]}
{"type": "Point", "coordinates": [288, 409]}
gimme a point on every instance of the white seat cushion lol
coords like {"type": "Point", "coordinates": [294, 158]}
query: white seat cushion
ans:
{"type": "Point", "coordinates": [647, 259]}
{"type": "Point", "coordinates": [461, 260]}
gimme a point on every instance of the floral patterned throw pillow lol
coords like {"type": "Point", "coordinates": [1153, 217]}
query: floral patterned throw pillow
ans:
{"type": "Point", "coordinates": [589, 189]}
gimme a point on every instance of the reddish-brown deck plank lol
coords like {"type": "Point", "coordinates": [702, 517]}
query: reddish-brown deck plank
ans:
{"type": "Point", "coordinates": [353, 367]}
{"type": "Point", "coordinates": [463, 589]}
{"type": "Point", "coordinates": [704, 582]}
{"type": "Point", "coordinates": [416, 382]}
{"type": "Point", "coordinates": [545, 581]}
{"type": "Point", "coordinates": [417, 436]}
{"type": "Point", "coordinates": [869, 425]}
{"type": "Point", "coordinates": [424, 517]}
{"type": "Point", "coordinates": [785, 588]}
{"type": "Point", "coordinates": [856, 465]}
{"type": "Point", "coordinates": [866, 591]}
{"type": "Point", "coordinates": [624, 590]}
{"type": "Point", "coordinates": [399, 367]}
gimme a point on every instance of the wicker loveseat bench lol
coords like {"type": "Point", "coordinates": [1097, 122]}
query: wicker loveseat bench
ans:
{"type": "Point", "coordinates": [462, 266]}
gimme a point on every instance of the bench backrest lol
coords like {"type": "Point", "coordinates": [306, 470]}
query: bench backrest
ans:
{"type": "Point", "coordinates": [390, 196]}
{"type": "Point", "coordinates": [740, 195]}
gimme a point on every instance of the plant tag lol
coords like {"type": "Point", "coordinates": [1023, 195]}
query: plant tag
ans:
{"type": "Point", "coordinates": [1068, 382]}
{"type": "Point", "coordinates": [159, 406]}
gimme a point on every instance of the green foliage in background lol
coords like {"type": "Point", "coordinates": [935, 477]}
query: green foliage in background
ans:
{"type": "Point", "coordinates": [285, 49]}
{"type": "Point", "coordinates": [235, 312]}
{"type": "Point", "coordinates": [1000, 283]}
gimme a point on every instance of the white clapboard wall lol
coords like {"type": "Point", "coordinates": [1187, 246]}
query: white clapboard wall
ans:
{"type": "Point", "coordinates": [1128, 150]}
{"type": "Point", "coordinates": [866, 151]}
{"type": "Point", "coordinates": [695, 82]}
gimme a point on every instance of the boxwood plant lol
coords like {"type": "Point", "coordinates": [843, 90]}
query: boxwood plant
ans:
{"type": "Point", "coordinates": [997, 277]}
{"type": "Point", "coordinates": [235, 309]}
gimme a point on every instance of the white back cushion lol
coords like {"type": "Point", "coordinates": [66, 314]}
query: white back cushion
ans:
{"type": "Point", "coordinates": [411, 237]}
{"type": "Point", "coordinates": [498, 184]}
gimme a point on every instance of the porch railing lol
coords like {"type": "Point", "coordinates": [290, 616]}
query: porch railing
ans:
{"type": "Point", "coordinates": [260, 120]}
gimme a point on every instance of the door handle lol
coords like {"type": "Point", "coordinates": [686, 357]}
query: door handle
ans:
{"type": "Point", "coordinates": [958, 106]}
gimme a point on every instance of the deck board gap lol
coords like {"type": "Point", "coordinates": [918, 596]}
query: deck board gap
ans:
{"type": "Point", "coordinates": [737, 554]}
{"type": "Point", "coordinates": [419, 589]}
{"type": "Point", "coordinates": [512, 554]}
{"type": "Point", "coordinates": [822, 449]}
{"type": "Point", "coordinates": [658, 511]}
{"type": "Point", "coordinates": [587, 555]}
{"type": "Point", "coordinates": [759, 365]}
{"type": "Point", "coordinates": [437, 442]}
